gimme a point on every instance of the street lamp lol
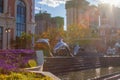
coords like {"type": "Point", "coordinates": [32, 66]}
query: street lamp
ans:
{"type": "Point", "coordinates": [7, 30]}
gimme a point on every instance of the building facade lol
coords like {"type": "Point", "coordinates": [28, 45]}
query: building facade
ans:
{"type": "Point", "coordinates": [16, 16]}
{"type": "Point", "coordinates": [109, 16]}
{"type": "Point", "coordinates": [80, 12]}
{"type": "Point", "coordinates": [44, 21]}
{"type": "Point", "coordinates": [104, 17]}
{"type": "Point", "coordinates": [109, 27]}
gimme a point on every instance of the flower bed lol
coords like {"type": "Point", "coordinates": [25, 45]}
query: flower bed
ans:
{"type": "Point", "coordinates": [23, 76]}
{"type": "Point", "coordinates": [17, 51]}
{"type": "Point", "coordinates": [12, 60]}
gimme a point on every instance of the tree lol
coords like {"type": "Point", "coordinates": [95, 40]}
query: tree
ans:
{"type": "Point", "coordinates": [53, 34]}
{"type": "Point", "coordinates": [77, 33]}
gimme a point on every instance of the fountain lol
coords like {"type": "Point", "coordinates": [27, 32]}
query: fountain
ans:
{"type": "Point", "coordinates": [62, 49]}
{"type": "Point", "coordinates": [43, 44]}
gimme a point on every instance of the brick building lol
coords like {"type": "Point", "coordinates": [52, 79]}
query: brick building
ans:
{"type": "Point", "coordinates": [16, 16]}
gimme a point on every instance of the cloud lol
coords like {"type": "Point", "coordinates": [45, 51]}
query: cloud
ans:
{"type": "Point", "coordinates": [52, 3]}
{"type": "Point", "coordinates": [37, 8]}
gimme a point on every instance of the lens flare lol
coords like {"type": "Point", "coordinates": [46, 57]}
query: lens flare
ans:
{"type": "Point", "coordinates": [111, 2]}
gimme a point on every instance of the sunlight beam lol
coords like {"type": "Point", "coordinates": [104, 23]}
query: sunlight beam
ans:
{"type": "Point", "coordinates": [111, 2]}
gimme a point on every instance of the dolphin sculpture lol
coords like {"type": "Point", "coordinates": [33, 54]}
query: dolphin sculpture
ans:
{"type": "Point", "coordinates": [62, 45]}
{"type": "Point", "coordinates": [45, 42]}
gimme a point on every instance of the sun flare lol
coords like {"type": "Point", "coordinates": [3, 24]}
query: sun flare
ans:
{"type": "Point", "coordinates": [111, 2]}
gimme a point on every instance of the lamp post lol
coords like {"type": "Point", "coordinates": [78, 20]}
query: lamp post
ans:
{"type": "Point", "coordinates": [7, 30]}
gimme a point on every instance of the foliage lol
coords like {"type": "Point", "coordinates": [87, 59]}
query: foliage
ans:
{"type": "Point", "coordinates": [53, 34]}
{"type": "Point", "coordinates": [24, 76]}
{"type": "Point", "coordinates": [22, 42]}
{"type": "Point", "coordinates": [75, 33]}
{"type": "Point", "coordinates": [12, 60]}
{"type": "Point", "coordinates": [16, 76]}
{"type": "Point", "coordinates": [32, 63]}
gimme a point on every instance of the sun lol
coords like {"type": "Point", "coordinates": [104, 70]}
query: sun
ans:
{"type": "Point", "coordinates": [111, 2]}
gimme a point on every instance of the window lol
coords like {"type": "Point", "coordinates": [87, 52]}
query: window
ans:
{"type": "Point", "coordinates": [21, 18]}
{"type": "Point", "coordinates": [1, 37]}
{"type": "Point", "coordinates": [1, 6]}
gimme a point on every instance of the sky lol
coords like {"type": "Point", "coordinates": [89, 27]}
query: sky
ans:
{"type": "Point", "coordinates": [54, 7]}
{"type": "Point", "coordinates": [57, 7]}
